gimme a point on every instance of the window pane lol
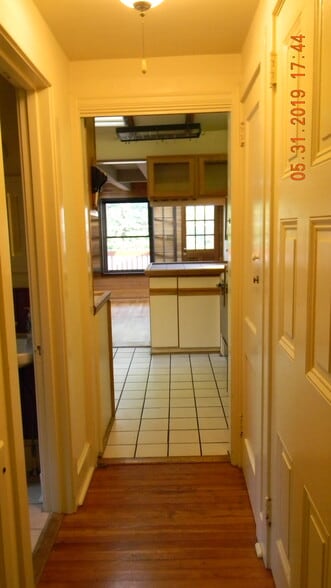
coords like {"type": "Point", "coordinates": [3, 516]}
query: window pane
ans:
{"type": "Point", "coordinates": [200, 227]}
{"type": "Point", "coordinates": [190, 212]}
{"type": "Point", "coordinates": [127, 236]}
{"type": "Point", "coordinates": [209, 242]}
{"type": "Point", "coordinates": [190, 242]}
{"type": "Point", "coordinates": [128, 254]}
{"type": "Point", "coordinates": [190, 228]}
{"type": "Point", "coordinates": [209, 227]}
{"type": "Point", "coordinates": [200, 212]}
{"type": "Point", "coordinates": [200, 242]}
{"type": "Point", "coordinates": [129, 218]}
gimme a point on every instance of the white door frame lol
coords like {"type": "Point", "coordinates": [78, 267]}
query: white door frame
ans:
{"type": "Point", "coordinates": [229, 103]}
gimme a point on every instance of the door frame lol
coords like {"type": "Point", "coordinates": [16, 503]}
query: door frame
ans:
{"type": "Point", "coordinates": [35, 116]}
{"type": "Point", "coordinates": [229, 103]}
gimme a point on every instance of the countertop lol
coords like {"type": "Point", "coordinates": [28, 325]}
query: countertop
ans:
{"type": "Point", "coordinates": [100, 298]}
{"type": "Point", "coordinates": [184, 269]}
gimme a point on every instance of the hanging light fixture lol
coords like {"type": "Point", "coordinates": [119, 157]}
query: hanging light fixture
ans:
{"type": "Point", "coordinates": [142, 6]}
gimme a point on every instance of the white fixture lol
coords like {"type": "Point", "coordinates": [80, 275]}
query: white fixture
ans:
{"type": "Point", "coordinates": [109, 121]}
{"type": "Point", "coordinates": [141, 5]}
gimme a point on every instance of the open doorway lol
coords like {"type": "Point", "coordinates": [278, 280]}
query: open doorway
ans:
{"type": "Point", "coordinates": [190, 390]}
{"type": "Point", "coordinates": [14, 184]}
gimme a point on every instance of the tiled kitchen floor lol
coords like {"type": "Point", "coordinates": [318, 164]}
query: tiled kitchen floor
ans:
{"type": "Point", "coordinates": [169, 405]}
{"type": "Point", "coordinates": [38, 518]}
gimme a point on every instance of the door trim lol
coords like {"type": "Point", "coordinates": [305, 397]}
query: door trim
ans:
{"type": "Point", "coordinates": [228, 102]}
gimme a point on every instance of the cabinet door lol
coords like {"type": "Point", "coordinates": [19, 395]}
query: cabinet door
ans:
{"type": "Point", "coordinates": [163, 312]}
{"type": "Point", "coordinates": [213, 175]}
{"type": "Point", "coordinates": [171, 177]}
{"type": "Point", "coordinates": [199, 312]}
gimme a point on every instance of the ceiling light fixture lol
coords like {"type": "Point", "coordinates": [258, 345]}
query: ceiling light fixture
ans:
{"type": "Point", "coordinates": [142, 6]}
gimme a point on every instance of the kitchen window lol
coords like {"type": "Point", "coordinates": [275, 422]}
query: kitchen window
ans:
{"type": "Point", "coordinates": [135, 234]}
{"type": "Point", "coordinates": [201, 227]}
{"type": "Point", "coordinates": [126, 235]}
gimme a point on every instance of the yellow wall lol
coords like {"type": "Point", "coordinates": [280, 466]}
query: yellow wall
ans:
{"type": "Point", "coordinates": [108, 146]}
{"type": "Point", "coordinates": [169, 77]}
{"type": "Point", "coordinates": [64, 281]}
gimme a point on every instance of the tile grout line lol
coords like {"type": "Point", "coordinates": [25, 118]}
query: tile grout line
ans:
{"type": "Point", "coordinates": [195, 405]}
{"type": "Point", "coordinates": [125, 379]}
{"type": "Point", "coordinates": [194, 369]}
{"type": "Point", "coordinates": [143, 405]}
{"type": "Point", "coordinates": [219, 393]}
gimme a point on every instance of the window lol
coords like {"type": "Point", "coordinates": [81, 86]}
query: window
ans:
{"type": "Point", "coordinates": [125, 235]}
{"type": "Point", "coordinates": [201, 233]}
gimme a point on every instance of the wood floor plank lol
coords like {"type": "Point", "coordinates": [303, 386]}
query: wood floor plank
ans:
{"type": "Point", "coordinates": [171, 525]}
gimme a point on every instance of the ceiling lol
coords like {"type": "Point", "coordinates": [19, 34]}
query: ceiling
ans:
{"type": "Point", "coordinates": [107, 29]}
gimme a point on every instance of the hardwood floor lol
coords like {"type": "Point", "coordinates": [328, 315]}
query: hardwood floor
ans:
{"type": "Point", "coordinates": [160, 525]}
{"type": "Point", "coordinates": [123, 287]}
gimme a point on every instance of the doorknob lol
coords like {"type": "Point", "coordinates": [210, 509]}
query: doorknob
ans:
{"type": "Point", "coordinates": [255, 257]}
{"type": "Point", "coordinates": [256, 280]}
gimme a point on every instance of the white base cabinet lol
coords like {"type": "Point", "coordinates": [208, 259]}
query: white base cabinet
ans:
{"type": "Point", "coordinates": [163, 312]}
{"type": "Point", "coordinates": [184, 313]}
{"type": "Point", "coordinates": [198, 313]}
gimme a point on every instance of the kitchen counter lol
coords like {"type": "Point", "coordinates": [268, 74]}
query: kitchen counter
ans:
{"type": "Point", "coordinates": [103, 349]}
{"type": "Point", "coordinates": [184, 269]}
{"type": "Point", "coordinates": [100, 298]}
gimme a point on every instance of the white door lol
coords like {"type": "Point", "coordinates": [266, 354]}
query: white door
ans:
{"type": "Point", "coordinates": [301, 433]}
{"type": "Point", "coordinates": [15, 548]}
{"type": "Point", "coordinates": [255, 452]}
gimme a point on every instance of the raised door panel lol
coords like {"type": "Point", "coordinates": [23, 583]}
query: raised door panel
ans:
{"type": "Point", "coordinates": [302, 307]}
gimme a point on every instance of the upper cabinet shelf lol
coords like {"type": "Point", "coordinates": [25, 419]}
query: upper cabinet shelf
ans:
{"type": "Point", "coordinates": [171, 177]}
{"type": "Point", "coordinates": [184, 179]}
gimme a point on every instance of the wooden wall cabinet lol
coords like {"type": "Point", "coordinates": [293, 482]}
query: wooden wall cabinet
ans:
{"type": "Point", "coordinates": [213, 175]}
{"type": "Point", "coordinates": [187, 179]}
{"type": "Point", "coordinates": [171, 177]}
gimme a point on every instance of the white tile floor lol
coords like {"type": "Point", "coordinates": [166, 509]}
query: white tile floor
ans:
{"type": "Point", "coordinates": [169, 405]}
{"type": "Point", "coordinates": [38, 518]}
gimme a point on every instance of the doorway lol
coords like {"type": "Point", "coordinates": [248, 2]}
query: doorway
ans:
{"type": "Point", "coordinates": [14, 184]}
{"type": "Point", "coordinates": [186, 386]}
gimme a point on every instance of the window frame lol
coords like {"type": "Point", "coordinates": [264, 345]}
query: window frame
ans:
{"type": "Point", "coordinates": [104, 237]}
{"type": "Point", "coordinates": [202, 255]}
